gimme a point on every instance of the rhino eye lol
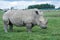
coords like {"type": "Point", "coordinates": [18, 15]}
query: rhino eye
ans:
{"type": "Point", "coordinates": [40, 22]}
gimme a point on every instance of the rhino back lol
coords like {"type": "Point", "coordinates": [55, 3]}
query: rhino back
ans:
{"type": "Point", "coordinates": [20, 16]}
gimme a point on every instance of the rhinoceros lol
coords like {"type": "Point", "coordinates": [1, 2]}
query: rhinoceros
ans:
{"type": "Point", "coordinates": [28, 18]}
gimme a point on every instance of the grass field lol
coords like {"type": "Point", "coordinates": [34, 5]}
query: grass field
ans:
{"type": "Point", "coordinates": [19, 33]}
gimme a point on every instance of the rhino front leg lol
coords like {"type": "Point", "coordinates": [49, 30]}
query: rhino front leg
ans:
{"type": "Point", "coordinates": [29, 27]}
{"type": "Point", "coordinates": [5, 27]}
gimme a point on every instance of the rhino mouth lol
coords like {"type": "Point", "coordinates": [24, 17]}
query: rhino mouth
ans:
{"type": "Point", "coordinates": [44, 27]}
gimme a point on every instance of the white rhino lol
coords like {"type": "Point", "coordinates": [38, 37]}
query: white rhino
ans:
{"type": "Point", "coordinates": [28, 18]}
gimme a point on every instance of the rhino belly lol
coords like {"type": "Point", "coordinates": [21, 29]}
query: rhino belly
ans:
{"type": "Point", "coordinates": [16, 21]}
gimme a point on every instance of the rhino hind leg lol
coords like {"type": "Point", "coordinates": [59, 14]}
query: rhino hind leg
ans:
{"type": "Point", "coordinates": [5, 26]}
{"type": "Point", "coordinates": [10, 26]}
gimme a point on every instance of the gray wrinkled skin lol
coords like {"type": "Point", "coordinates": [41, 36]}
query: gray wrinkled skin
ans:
{"type": "Point", "coordinates": [28, 18]}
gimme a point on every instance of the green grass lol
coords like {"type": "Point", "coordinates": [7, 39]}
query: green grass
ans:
{"type": "Point", "coordinates": [52, 13]}
{"type": "Point", "coordinates": [19, 33]}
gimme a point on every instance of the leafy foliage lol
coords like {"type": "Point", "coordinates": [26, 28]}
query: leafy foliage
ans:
{"type": "Point", "coordinates": [42, 6]}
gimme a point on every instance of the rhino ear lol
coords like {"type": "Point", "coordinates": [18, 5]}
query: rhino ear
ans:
{"type": "Point", "coordinates": [37, 12]}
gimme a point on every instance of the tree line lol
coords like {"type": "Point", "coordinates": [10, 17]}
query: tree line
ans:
{"type": "Point", "coordinates": [38, 6]}
{"type": "Point", "coordinates": [42, 6]}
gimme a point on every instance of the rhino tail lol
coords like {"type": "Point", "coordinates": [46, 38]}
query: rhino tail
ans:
{"type": "Point", "coordinates": [6, 20]}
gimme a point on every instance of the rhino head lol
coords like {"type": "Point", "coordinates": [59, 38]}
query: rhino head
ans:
{"type": "Point", "coordinates": [41, 21]}
{"type": "Point", "coordinates": [43, 24]}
